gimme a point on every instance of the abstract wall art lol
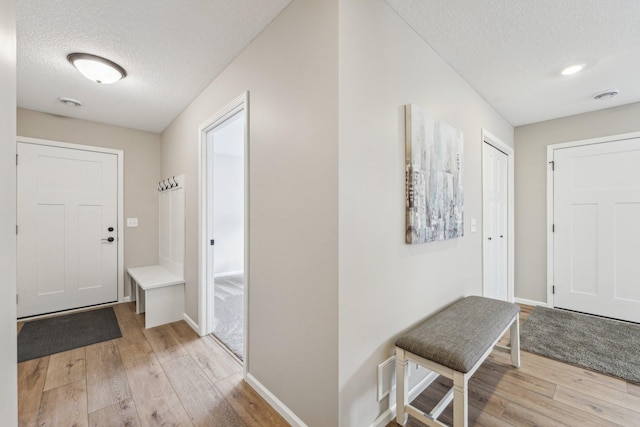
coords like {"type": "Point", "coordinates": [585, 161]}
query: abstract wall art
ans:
{"type": "Point", "coordinates": [433, 178]}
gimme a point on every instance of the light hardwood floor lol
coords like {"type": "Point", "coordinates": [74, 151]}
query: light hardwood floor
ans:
{"type": "Point", "coordinates": [170, 376]}
{"type": "Point", "coordinates": [543, 392]}
{"type": "Point", "coordinates": [166, 376]}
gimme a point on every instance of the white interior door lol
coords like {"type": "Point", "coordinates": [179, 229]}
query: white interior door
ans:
{"type": "Point", "coordinates": [596, 191]}
{"type": "Point", "coordinates": [495, 222]}
{"type": "Point", "coordinates": [68, 218]}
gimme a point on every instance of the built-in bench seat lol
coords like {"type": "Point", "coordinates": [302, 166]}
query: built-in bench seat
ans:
{"type": "Point", "coordinates": [453, 343]}
{"type": "Point", "coordinates": [159, 294]}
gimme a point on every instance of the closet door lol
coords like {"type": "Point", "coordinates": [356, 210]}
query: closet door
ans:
{"type": "Point", "coordinates": [495, 222]}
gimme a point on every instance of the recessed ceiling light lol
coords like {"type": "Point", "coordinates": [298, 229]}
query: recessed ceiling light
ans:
{"type": "Point", "coordinates": [70, 102]}
{"type": "Point", "coordinates": [97, 68]}
{"type": "Point", "coordinates": [606, 94]}
{"type": "Point", "coordinates": [572, 69]}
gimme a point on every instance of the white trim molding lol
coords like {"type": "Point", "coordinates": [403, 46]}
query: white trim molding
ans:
{"type": "Point", "coordinates": [276, 403]}
{"type": "Point", "coordinates": [240, 105]}
{"type": "Point", "coordinates": [489, 138]}
{"type": "Point", "coordinates": [193, 324]}
{"type": "Point", "coordinates": [530, 302]}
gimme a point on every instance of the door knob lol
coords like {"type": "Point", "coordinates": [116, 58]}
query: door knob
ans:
{"type": "Point", "coordinates": [110, 229]}
{"type": "Point", "coordinates": [110, 239]}
{"type": "Point", "coordinates": [489, 238]}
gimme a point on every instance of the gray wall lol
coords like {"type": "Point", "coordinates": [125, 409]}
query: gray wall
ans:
{"type": "Point", "coordinates": [531, 185]}
{"type": "Point", "coordinates": [291, 72]}
{"type": "Point", "coordinates": [387, 286]}
{"type": "Point", "coordinates": [8, 360]}
{"type": "Point", "coordinates": [141, 173]}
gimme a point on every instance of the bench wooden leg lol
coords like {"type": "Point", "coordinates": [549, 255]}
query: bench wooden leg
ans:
{"type": "Point", "coordinates": [515, 342]}
{"type": "Point", "coordinates": [460, 400]}
{"type": "Point", "coordinates": [402, 386]}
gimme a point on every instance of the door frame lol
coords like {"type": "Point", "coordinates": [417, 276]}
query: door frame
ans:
{"type": "Point", "coordinates": [205, 297]}
{"type": "Point", "coordinates": [550, 202]}
{"type": "Point", "coordinates": [120, 209]}
{"type": "Point", "coordinates": [489, 138]}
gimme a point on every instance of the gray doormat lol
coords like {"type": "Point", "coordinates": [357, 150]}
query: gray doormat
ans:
{"type": "Point", "coordinates": [603, 345]}
{"type": "Point", "coordinates": [56, 334]}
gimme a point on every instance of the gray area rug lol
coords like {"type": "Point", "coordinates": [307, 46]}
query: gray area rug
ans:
{"type": "Point", "coordinates": [57, 334]}
{"type": "Point", "coordinates": [229, 312]}
{"type": "Point", "coordinates": [603, 345]}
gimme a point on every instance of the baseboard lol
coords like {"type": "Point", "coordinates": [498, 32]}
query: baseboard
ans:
{"type": "Point", "coordinates": [530, 302]}
{"type": "Point", "coordinates": [193, 324]}
{"type": "Point", "coordinates": [126, 299]}
{"type": "Point", "coordinates": [390, 414]}
{"type": "Point", "coordinates": [228, 273]}
{"type": "Point", "coordinates": [276, 403]}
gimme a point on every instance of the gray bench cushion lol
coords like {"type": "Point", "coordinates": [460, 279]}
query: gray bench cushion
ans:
{"type": "Point", "coordinates": [459, 335]}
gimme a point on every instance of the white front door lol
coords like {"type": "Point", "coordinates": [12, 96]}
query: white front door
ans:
{"type": "Point", "coordinates": [596, 216]}
{"type": "Point", "coordinates": [67, 237]}
{"type": "Point", "coordinates": [495, 222]}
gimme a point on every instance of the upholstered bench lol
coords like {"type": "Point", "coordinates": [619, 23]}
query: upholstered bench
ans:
{"type": "Point", "coordinates": [453, 343]}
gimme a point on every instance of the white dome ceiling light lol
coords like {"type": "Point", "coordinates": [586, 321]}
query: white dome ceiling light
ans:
{"type": "Point", "coordinates": [97, 68]}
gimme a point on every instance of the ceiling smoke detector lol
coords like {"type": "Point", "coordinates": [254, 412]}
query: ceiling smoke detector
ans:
{"type": "Point", "coordinates": [70, 102]}
{"type": "Point", "coordinates": [606, 94]}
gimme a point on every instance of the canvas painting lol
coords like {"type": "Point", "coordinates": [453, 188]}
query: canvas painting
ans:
{"type": "Point", "coordinates": [434, 193]}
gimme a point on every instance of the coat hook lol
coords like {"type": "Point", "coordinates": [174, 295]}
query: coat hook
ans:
{"type": "Point", "coordinates": [175, 183]}
{"type": "Point", "coordinates": [166, 186]}
{"type": "Point", "coordinates": [159, 186]}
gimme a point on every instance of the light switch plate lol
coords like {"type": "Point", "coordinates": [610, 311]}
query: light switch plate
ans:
{"type": "Point", "coordinates": [473, 225]}
{"type": "Point", "coordinates": [132, 222]}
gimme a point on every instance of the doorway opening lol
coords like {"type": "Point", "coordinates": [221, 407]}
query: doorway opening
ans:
{"type": "Point", "coordinates": [223, 227]}
{"type": "Point", "coordinates": [497, 218]}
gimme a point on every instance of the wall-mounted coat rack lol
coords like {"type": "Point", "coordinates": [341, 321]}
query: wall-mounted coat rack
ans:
{"type": "Point", "coordinates": [167, 184]}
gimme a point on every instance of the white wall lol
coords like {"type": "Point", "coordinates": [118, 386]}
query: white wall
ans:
{"type": "Point", "coordinates": [8, 358]}
{"type": "Point", "coordinates": [531, 185]}
{"type": "Point", "coordinates": [141, 173]}
{"type": "Point", "coordinates": [291, 72]}
{"type": "Point", "coordinates": [387, 286]}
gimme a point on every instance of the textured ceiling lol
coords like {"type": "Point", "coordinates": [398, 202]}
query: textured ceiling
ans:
{"type": "Point", "coordinates": [171, 50]}
{"type": "Point", "coordinates": [512, 51]}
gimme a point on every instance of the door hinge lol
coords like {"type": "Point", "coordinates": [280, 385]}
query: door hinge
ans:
{"type": "Point", "coordinates": [553, 289]}
{"type": "Point", "coordinates": [553, 165]}
{"type": "Point", "coordinates": [553, 228]}
{"type": "Point", "coordinates": [16, 228]}
{"type": "Point", "coordinates": [16, 298]}
{"type": "Point", "coordinates": [16, 160]}
{"type": "Point", "coordinates": [211, 242]}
